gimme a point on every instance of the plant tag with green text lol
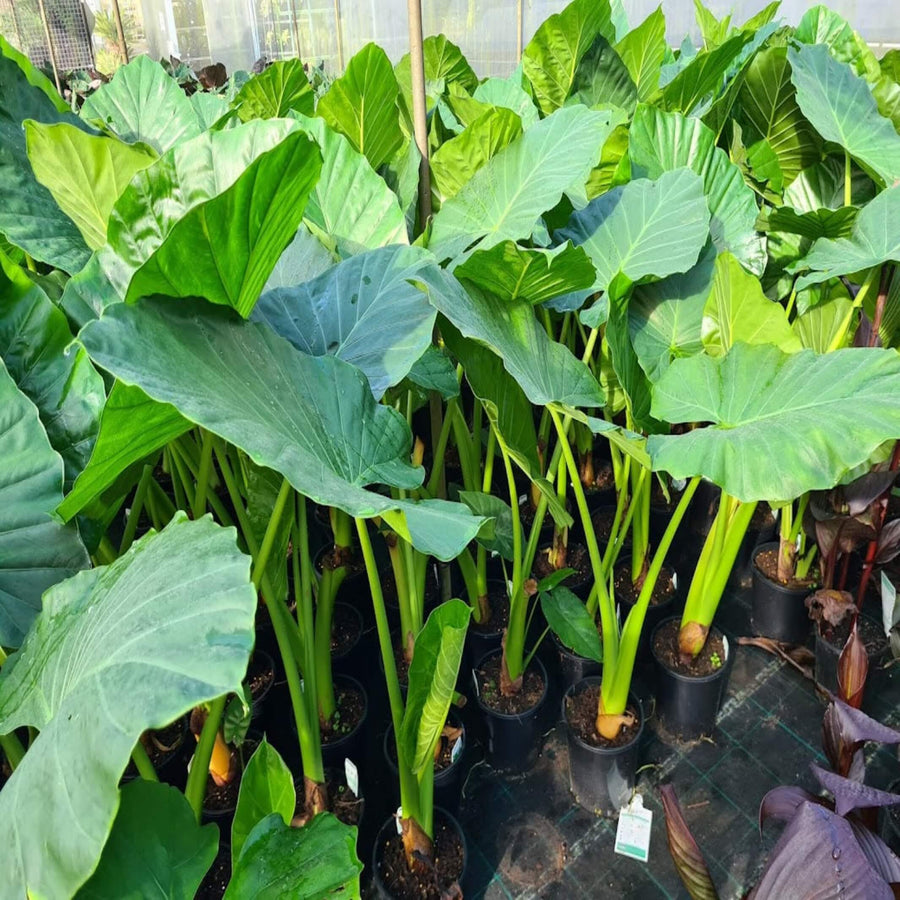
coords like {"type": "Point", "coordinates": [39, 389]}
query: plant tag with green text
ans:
{"type": "Point", "coordinates": [633, 831]}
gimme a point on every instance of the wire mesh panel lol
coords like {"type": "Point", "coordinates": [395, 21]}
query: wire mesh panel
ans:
{"type": "Point", "coordinates": [24, 25]}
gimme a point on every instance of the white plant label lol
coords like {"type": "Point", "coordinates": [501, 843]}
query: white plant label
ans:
{"type": "Point", "coordinates": [351, 773]}
{"type": "Point", "coordinates": [888, 603]}
{"type": "Point", "coordinates": [675, 581]}
{"type": "Point", "coordinates": [457, 750]}
{"type": "Point", "coordinates": [397, 820]}
{"type": "Point", "coordinates": [475, 683]}
{"type": "Point", "coordinates": [633, 831]}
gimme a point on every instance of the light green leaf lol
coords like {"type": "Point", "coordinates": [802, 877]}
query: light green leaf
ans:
{"type": "Point", "coordinates": [278, 89]}
{"type": "Point", "coordinates": [309, 863]}
{"type": "Point", "coordinates": [213, 217]}
{"type": "Point", "coordinates": [704, 75]}
{"type": "Point", "coordinates": [362, 104]}
{"type": "Point", "coordinates": [505, 199]}
{"type": "Point", "coordinates": [602, 79]}
{"type": "Point", "coordinates": [501, 538]}
{"type": "Point", "coordinates": [643, 50]}
{"type": "Point", "coordinates": [508, 93]}
{"type": "Point", "coordinates": [313, 419]}
{"type": "Point", "coordinates": [29, 216]}
{"type": "Point", "coordinates": [156, 850]}
{"type": "Point", "coordinates": [546, 371]}
{"type": "Point", "coordinates": [85, 173]}
{"type": "Point", "coordinates": [875, 239]}
{"type": "Point", "coordinates": [783, 424]}
{"type": "Point", "coordinates": [552, 55]}
{"type": "Point", "coordinates": [143, 104]}
{"type": "Point", "coordinates": [535, 275]}
{"type": "Point", "coordinates": [841, 108]}
{"type": "Point", "coordinates": [432, 682]}
{"type": "Point", "coordinates": [570, 621]}
{"type": "Point", "coordinates": [116, 650]}
{"type": "Point", "coordinates": [820, 25]}
{"type": "Point", "coordinates": [769, 111]}
{"type": "Point", "coordinates": [817, 326]}
{"type": "Point", "coordinates": [665, 317]}
{"type": "Point", "coordinates": [660, 142]}
{"type": "Point", "coordinates": [352, 311]}
{"type": "Point", "coordinates": [208, 108]}
{"type": "Point", "coordinates": [434, 371]}
{"type": "Point", "coordinates": [643, 228]}
{"type": "Point", "coordinates": [457, 160]}
{"type": "Point", "coordinates": [738, 310]}
{"type": "Point", "coordinates": [35, 550]}
{"type": "Point", "coordinates": [712, 29]}
{"type": "Point", "coordinates": [132, 426]}
{"type": "Point", "coordinates": [67, 390]}
{"type": "Point", "coordinates": [351, 207]}
{"type": "Point", "coordinates": [267, 787]}
{"type": "Point", "coordinates": [305, 258]}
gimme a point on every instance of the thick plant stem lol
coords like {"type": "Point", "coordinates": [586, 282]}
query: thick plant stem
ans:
{"type": "Point", "coordinates": [514, 644]}
{"type": "Point", "coordinates": [140, 497]}
{"type": "Point", "coordinates": [607, 609]}
{"type": "Point", "coordinates": [199, 504]}
{"type": "Point", "coordinates": [841, 334]}
{"type": "Point", "coordinates": [195, 791]}
{"type": "Point", "coordinates": [142, 763]}
{"type": "Point", "coordinates": [13, 749]}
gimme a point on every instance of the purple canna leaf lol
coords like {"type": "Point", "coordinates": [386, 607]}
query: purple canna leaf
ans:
{"type": "Point", "coordinates": [860, 493]}
{"type": "Point", "coordinates": [880, 856]}
{"type": "Point", "coordinates": [686, 855]}
{"type": "Point", "coordinates": [782, 803]}
{"type": "Point", "coordinates": [888, 543]}
{"type": "Point", "coordinates": [850, 795]}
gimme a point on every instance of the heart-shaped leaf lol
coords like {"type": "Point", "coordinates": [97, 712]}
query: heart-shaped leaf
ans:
{"type": "Point", "coordinates": [278, 89]}
{"type": "Point", "coordinates": [570, 621]}
{"type": "Point", "coordinates": [117, 650]}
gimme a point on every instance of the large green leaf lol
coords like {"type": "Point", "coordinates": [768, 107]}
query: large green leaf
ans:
{"type": "Point", "coordinates": [660, 142]}
{"type": "Point", "coordinates": [85, 173]}
{"type": "Point", "coordinates": [132, 426]}
{"type": "Point", "coordinates": [535, 275]}
{"type": "Point", "coordinates": [35, 550]}
{"type": "Point", "coordinates": [276, 91]}
{"type": "Point", "coordinates": [552, 55]}
{"type": "Point", "coordinates": [509, 94]}
{"type": "Point", "coordinates": [643, 228]}
{"type": "Point", "coordinates": [313, 419]}
{"type": "Point", "coordinates": [309, 863]}
{"type": "Point", "coordinates": [840, 106]}
{"type": "Point", "coordinates": [62, 383]}
{"type": "Point", "coordinates": [505, 199]}
{"type": "Point", "coordinates": [143, 103]}
{"type": "Point", "coordinates": [34, 76]}
{"type": "Point", "coordinates": [305, 258]}
{"type": "Point", "coordinates": [353, 310]}
{"type": "Point", "coordinates": [432, 682]}
{"type": "Point", "coordinates": [267, 787]}
{"type": "Point", "coordinates": [115, 651]}
{"type": "Point", "coordinates": [212, 218]}
{"type": "Point", "coordinates": [351, 207]}
{"type": "Point", "coordinates": [704, 75]}
{"type": "Point", "coordinates": [603, 79]}
{"type": "Point", "coordinates": [156, 850]}
{"type": "Point", "coordinates": [738, 310]}
{"type": "Point", "coordinates": [817, 326]}
{"type": "Point", "coordinates": [815, 224]}
{"type": "Point", "coordinates": [875, 239]}
{"type": "Point", "coordinates": [643, 50]}
{"type": "Point", "coordinates": [457, 160]}
{"type": "Point", "coordinates": [362, 104]}
{"type": "Point", "coordinates": [821, 186]}
{"type": "Point", "coordinates": [443, 62]}
{"type": "Point", "coordinates": [820, 25]}
{"type": "Point", "coordinates": [665, 317]}
{"type": "Point", "coordinates": [29, 216]}
{"type": "Point", "coordinates": [545, 370]}
{"type": "Point", "coordinates": [783, 424]}
{"type": "Point", "coordinates": [501, 538]}
{"type": "Point", "coordinates": [769, 112]}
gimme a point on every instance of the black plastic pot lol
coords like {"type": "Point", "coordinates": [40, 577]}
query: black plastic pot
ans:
{"type": "Point", "coordinates": [655, 614]}
{"type": "Point", "coordinates": [480, 643]}
{"type": "Point", "coordinates": [172, 767]}
{"type": "Point", "coordinates": [390, 828]}
{"type": "Point", "coordinates": [513, 740]}
{"type": "Point", "coordinates": [778, 610]}
{"type": "Point", "coordinates": [448, 782]}
{"type": "Point", "coordinates": [828, 653]}
{"type": "Point", "coordinates": [259, 704]}
{"type": "Point", "coordinates": [688, 706]}
{"type": "Point", "coordinates": [750, 545]}
{"type": "Point", "coordinates": [572, 667]}
{"type": "Point", "coordinates": [600, 778]}
{"type": "Point", "coordinates": [350, 746]}
{"type": "Point", "coordinates": [349, 660]}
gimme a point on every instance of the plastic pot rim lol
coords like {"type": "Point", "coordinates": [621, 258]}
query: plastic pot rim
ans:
{"type": "Point", "coordinates": [512, 717]}
{"type": "Point", "coordinates": [594, 681]}
{"type": "Point", "coordinates": [693, 679]}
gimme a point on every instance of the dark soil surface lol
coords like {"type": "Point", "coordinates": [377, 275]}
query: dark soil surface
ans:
{"type": "Point", "coordinates": [448, 866]}
{"type": "Point", "coordinates": [328, 559]}
{"type": "Point", "coordinates": [349, 713]}
{"type": "Point", "coordinates": [767, 563]}
{"type": "Point", "coordinates": [260, 675]}
{"type": "Point", "coordinates": [527, 512]}
{"type": "Point", "coordinates": [160, 745]}
{"type": "Point", "coordinates": [666, 647]}
{"type": "Point", "coordinates": [389, 588]}
{"type": "Point", "coordinates": [577, 558]}
{"type": "Point", "coordinates": [627, 591]}
{"type": "Point", "coordinates": [345, 630]}
{"type": "Point", "coordinates": [401, 663]}
{"type": "Point", "coordinates": [225, 796]}
{"type": "Point", "coordinates": [344, 803]}
{"type": "Point", "coordinates": [489, 689]}
{"type": "Point", "coordinates": [604, 479]}
{"type": "Point", "coordinates": [499, 611]}
{"type": "Point", "coordinates": [581, 713]}
{"type": "Point", "coordinates": [602, 520]}
{"type": "Point", "coordinates": [216, 879]}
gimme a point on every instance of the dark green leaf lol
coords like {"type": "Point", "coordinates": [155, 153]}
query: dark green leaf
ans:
{"type": "Point", "coordinates": [570, 621]}
{"type": "Point", "coordinates": [500, 539]}
{"type": "Point", "coordinates": [278, 89]}
{"type": "Point", "coordinates": [603, 79]}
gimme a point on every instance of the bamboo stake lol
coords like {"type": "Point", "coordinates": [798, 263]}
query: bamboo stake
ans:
{"type": "Point", "coordinates": [520, 22]}
{"type": "Point", "coordinates": [339, 34]}
{"type": "Point", "coordinates": [120, 31]}
{"type": "Point", "coordinates": [50, 47]}
{"type": "Point", "coordinates": [420, 122]}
